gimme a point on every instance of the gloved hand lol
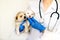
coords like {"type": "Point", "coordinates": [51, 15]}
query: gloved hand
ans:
{"type": "Point", "coordinates": [21, 28]}
{"type": "Point", "coordinates": [35, 24]}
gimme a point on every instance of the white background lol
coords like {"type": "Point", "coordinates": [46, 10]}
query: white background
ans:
{"type": "Point", "coordinates": [8, 10]}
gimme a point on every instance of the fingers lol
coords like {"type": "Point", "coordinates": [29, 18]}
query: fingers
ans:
{"type": "Point", "coordinates": [29, 19]}
{"type": "Point", "coordinates": [21, 28]}
{"type": "Point", "coordinates": [33, 19]}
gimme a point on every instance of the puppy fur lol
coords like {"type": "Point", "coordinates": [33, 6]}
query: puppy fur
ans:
{"type": "Point", "coordinates": [30, 13]}
{"type": "Point", "coordinates": [19, 19]}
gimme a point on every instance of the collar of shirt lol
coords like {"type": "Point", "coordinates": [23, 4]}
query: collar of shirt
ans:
{"type": "Point", "coordinates": [50, 9]}
{"type": "Point", "coordinates": [46, 14]}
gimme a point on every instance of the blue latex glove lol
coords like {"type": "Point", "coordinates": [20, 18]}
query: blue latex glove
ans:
{"type": "Point", "coordinates": [35, 24]}
{"type": "Point", "coordinates": [21, 27]}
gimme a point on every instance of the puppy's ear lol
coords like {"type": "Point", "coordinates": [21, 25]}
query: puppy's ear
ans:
{"type": "Point", "coordinates": [16, 18]}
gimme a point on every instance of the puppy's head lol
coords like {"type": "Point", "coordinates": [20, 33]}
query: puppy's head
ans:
{"type": "Point", "coordinates": [20, 16]}
{"type": "Point", "coordinates": [30, 14]}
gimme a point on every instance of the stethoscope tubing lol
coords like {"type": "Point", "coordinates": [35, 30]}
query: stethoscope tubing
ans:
{"type": "Point", "coordinates": [52, 13]}
{"type": "Point", "coordinates": [56, 12]}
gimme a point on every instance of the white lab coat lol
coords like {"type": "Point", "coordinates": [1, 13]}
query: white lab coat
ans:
{"type": "Point", "coordinates": [35, 34]}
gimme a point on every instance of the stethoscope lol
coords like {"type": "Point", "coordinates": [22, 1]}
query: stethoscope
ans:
{"type": "Point", "coordinates": [55, 12]}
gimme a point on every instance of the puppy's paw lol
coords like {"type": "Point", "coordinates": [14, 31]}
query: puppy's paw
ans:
{"type": "Point", "coordinates": [17, 32]}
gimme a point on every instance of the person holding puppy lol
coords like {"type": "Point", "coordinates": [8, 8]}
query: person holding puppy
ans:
{"type": "Point", "coordinates": [38, 23]}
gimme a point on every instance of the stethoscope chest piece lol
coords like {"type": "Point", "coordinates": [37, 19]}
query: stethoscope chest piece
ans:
{"type": "Point", "coordinates": [54, 24]}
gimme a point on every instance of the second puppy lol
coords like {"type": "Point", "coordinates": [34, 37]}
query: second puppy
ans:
{"type": "Point", "coordinates": [20, 17]}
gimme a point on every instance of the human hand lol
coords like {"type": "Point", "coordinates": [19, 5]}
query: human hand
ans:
{"type": "Point", "coordinates": [35, 24]}
{"type": "Point", "coordinates": [21, 27]}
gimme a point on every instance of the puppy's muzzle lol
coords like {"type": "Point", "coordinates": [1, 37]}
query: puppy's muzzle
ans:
{"type": "Point", "coordinates": [24, 17]}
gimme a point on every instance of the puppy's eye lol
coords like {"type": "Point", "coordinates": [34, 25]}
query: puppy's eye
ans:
{"type": "Point", "coordinates": [16, 18]}
{"type": "Point", "coordinates": [21, 16]}
{"type": "Point", "coordinates": [27, 13]}
{"type": "Point", "coordinates": [32, 14]}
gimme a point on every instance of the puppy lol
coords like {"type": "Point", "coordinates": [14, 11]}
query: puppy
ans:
{"type": "Point", "coordinates": [20, 17]}
{"type": "Point", "coordinates": [29, 14]}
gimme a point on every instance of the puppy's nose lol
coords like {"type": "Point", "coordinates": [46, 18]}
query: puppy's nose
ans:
{"type": "Point", "coordinates": [24, 17]}
{"type": "Point", "coordinates": [29, 16]}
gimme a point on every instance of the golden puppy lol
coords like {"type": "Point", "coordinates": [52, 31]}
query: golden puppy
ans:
{"type": "Point", "coordinates": [20, 17]}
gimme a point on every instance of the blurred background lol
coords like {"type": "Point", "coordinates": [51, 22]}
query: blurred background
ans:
{"type": "Point", "coordinates": [8, 10]}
